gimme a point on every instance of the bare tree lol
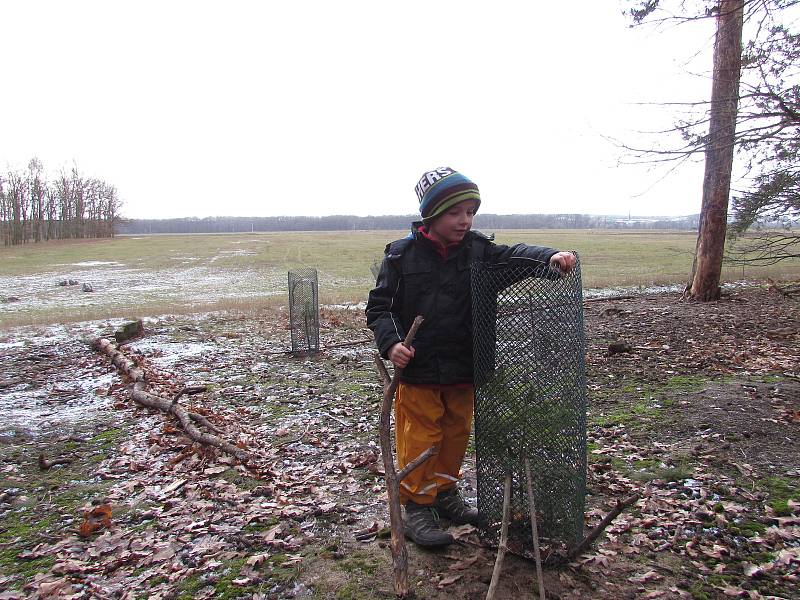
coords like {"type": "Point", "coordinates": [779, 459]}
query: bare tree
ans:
{"type": "Point", "coordinates": [37, 190]}
{"type": "Point", "coordinates": [15, 195]}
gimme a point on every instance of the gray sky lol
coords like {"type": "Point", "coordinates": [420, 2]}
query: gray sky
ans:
{"type": "Point", "coordinates": [318, 107]}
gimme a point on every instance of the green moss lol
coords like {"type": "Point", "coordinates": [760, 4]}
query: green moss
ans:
{"type": "Point", "coordinates": [678, 472]}
{"type": "Point", "coordinates": [685, 383]}
{"type": "Point", "coordinates": [109, 437]}
{"type": "Point", "coordinates": [73, 498]}
{"type": "Point", "coordinates": [780, 488]}
{"type": "Point", "coordinates": [759, 558]}
{"type": "Point", "coordinates": [225, 588]}
{"type": "Point", "coordinates": [12, 565]}
{"type": "Point", "coordinates": [751, 528]}
{"type": "Point", "coordinates": [279, 573]}
{"type": "Point", "coordinates": [780, 508]}
{"type": "Point", "coordinates": [353, 591]}
{"type": "Point", "coordinates": [698, 593]}
{"type": "Point", "coordinates": [188, 588]}
{"type": "Point", "coordinates": [768, 378]}
{"type": "Point", "coordinates": [257, 526]}
{"type": "Point", "coordinates": [359, 562]}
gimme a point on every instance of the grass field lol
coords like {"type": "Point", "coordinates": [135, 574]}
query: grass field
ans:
{"type": "Point", "coordinates": [144, 275]}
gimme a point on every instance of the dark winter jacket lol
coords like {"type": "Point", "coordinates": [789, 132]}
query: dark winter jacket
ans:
{"type": "Point", "coordinates": [416, 280]}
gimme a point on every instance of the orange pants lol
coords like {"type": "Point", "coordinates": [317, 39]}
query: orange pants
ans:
{"type": "Point", "coordinates": [424, 417]}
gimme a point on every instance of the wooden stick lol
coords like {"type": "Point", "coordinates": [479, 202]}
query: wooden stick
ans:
{"type": "Point", "coordinates": [409, 468]}
{"type": "Point", "coordinates": [45, 464]}
{"type": "Point", "coordinates": [534, 529]}
{"type": "Point", "coordinates": [399, 550]}
{"type": "Point", "coordinates": [595, 533]}
{"type": "Point", "coordinates": [501, 550]}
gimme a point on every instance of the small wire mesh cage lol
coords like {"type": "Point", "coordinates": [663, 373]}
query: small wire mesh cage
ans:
{"type": "Point", "coordinates": [304, 310]}
{"type": "Point", "coordinates": [530, 401]}
{"type": "Point", "coordinates": [375, 268]}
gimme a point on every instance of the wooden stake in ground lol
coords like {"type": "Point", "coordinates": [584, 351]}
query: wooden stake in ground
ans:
{"type": "Point", "coordinates": [393, 478]}
{"type": "Point", "coordinates": [143, 397]}
{"type": "Point", "coordinates": [534, 529]}
{"type": "Point", "coordinates": [501, 550]}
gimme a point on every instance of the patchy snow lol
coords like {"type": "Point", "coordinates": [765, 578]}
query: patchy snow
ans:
{"type": "Point", "coordinates": [118, 285]}
{"type": "Point", "coordinates": [95, 263]}
{"type": "Point", "coordinates": [357, 306]}
{"type": "Point", "coordinates": [166, 353]}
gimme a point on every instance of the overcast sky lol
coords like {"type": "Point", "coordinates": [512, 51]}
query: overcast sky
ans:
{"type": "Point", "coordinates": [319, 107]}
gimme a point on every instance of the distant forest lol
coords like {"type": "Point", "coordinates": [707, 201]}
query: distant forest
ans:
{"type": "Point", "coordinates": [394, 222]}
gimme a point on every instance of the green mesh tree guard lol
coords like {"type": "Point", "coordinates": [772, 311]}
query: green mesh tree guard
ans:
{"type": "Point", "coordinates": [530, 401]}
{"type": "Point", "coordinates": [304, 310]}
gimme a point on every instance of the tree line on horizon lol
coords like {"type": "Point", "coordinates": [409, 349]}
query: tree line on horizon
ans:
{"type": "Point", "coordinates": [70, 206]}
{"type": "Point", "coordinates": [393, 222]}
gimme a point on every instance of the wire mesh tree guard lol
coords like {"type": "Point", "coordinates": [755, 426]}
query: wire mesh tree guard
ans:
{"type": "Point", "coordinates": [530, 401]}
{"type": "Point", "coordinates": [304, 310]}
{"type": "Point", "coordinates": [375, 267]}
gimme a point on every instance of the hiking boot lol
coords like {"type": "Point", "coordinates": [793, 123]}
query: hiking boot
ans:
{"type": "Point", "coordinates": [422, 526]}
{"type": "Point", "coordinates": [451, 506]}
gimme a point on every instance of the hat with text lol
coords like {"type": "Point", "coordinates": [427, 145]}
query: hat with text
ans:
{"type": "Point", "coordinates": [442, 188]}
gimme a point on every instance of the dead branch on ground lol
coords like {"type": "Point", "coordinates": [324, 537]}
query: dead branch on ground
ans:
{"type": "Point", "coordinates": [140, 395]}
{"type": "Point", "coordinates": [595, 533]}
{"type": "Point", "coordinates": [45, 463]}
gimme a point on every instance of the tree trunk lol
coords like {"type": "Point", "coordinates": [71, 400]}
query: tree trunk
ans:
{"type": "Point", "coordinates": [707, 267]}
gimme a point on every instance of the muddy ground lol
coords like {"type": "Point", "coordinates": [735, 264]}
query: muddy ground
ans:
{"type": "Point", "coordinates": [699, 415]}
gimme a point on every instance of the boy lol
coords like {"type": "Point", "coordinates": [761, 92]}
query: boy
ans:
{"type": "Point", "coordinates": [428, 273]}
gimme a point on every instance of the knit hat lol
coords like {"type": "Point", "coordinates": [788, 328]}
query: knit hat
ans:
{"type": "Point", "coordinates": [442, 188]}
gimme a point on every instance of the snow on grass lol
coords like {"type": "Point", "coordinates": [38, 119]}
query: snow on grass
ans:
{"type": "Point", "coordinates": [166, 353]}
{"type": "Point", "coordinates": [117, 285]}
{"type": "Point", "coordinates": [94, 263]}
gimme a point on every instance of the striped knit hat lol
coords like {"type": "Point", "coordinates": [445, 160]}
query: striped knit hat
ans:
{"type": "Point", "coordinates": [442, 188]}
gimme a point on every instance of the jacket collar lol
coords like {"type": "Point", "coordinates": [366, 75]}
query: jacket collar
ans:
{"type": "Point", "coordinates": [421, 231]}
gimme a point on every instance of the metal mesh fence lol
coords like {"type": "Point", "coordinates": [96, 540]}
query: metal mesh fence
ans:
{"type": "Point", "coordinates": [304, 310]}
{"type": "Point", "coordinates": [530, 401]}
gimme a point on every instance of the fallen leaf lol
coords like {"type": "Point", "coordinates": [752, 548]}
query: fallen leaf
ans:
{"type": "Point", "coordinates": [645, 577]}
{"type": "Point", "coordinates": [464, 564]}
{"type": "Point", "coordinates": [95, 519]}
{"type": "Point", "coordinates": [257, 559]}
{"type": "Point", "coordinates": [215, 470]}
{"type": "Point", "coordinates": [449, 580]}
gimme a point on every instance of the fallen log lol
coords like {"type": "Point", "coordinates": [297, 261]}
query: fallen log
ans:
{"type": "Point", "coordinates": [140, 395]}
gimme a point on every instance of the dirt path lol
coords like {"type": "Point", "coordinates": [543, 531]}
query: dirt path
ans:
{"type": "Point", "coordinates": [701, 417]}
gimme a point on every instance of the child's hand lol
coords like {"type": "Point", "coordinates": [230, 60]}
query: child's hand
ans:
{"type": "Point", "coordinates": [563, 261]}
{"type": "Point", "coordinates": [400, 355]}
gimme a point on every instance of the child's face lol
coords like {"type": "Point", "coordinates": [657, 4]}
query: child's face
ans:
{"type": "Point", "coordinates": [453, 224]}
